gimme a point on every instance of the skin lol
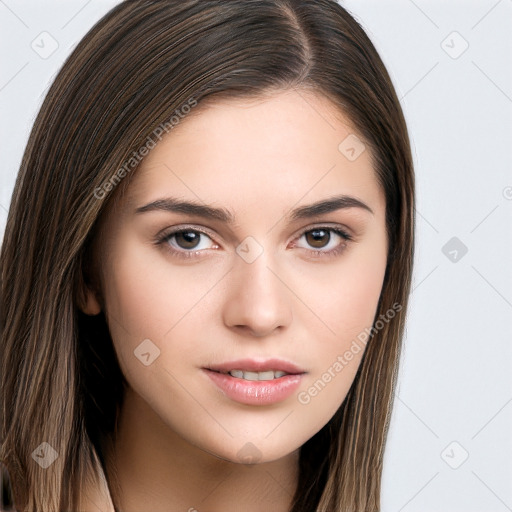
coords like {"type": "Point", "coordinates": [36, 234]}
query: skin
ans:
{"type": "Point", "coordinates": [179, 436]}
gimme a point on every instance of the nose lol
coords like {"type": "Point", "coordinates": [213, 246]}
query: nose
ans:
{"type": "Point", "coordinates": [258, 302]}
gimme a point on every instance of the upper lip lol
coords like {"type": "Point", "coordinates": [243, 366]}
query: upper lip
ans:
{"type": "Point", "coordinates": [257, 365]}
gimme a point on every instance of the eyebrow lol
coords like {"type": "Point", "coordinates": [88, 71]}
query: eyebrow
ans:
{"type": "Point", "coordinates": [332, 204]}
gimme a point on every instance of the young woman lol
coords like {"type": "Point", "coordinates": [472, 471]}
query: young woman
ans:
{"type": "Point", "coordinates": [206, 266]}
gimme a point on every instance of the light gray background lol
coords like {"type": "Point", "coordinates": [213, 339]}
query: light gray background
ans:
{"type": "Point", "coordinates": [455, 393]}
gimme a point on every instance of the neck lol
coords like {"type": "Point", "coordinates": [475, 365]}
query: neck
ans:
{"type": "Point", "coordinates": [160, 471]}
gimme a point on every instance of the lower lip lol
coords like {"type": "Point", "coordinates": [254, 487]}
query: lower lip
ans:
{"type": "Point", "coordinates": [255, 392]}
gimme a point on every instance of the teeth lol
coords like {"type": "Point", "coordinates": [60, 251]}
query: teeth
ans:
{"type": "Point", "coordinates": [267, 375]}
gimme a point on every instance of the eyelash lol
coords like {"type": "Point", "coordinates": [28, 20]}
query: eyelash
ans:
{"type": "Point", "coordinates": [183, 253]}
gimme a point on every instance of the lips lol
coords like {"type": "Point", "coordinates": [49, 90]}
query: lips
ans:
{"type": "Point", "coordinates": [256, 382]}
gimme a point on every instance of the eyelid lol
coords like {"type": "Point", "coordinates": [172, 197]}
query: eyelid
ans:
{"type": "Point", "coordinates": [167, 232]}
{"type": "Point", "coordinates": [326, 225]}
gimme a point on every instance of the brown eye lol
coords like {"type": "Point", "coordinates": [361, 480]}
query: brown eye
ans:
{"type": "Point", "coordinates": [318, 238]}
{"type": "Point", "coordinates": [324, 241]}
{"type": "Point", "coordinates": [187, 239]}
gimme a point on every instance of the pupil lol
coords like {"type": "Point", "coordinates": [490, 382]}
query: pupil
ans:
{"type": "Point", "coordinates": [187, 239]}
{"type": "Point", "coordinates": [318, 237]}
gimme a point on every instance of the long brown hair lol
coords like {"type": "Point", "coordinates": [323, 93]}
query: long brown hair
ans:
{"type": "Point", "coordinates": [131, 73]}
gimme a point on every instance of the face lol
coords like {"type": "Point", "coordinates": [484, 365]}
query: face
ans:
{"type": "Point", "coordinates": [230, 299]}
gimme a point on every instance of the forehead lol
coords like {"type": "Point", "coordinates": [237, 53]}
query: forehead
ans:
{"type": "Point", "coordinates": [250, 152]}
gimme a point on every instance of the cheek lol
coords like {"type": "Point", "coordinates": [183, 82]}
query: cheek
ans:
{"type": "Point", "coordinates": [148, 299]}
{"type": "Point", "coordinates": [347, 305]}
{"type": "Point", "coordinates": [355, 300]}
{"type": "Point", "coordinates": [145, 295]}
{"type": "Point", "coordinates": [345, 296]}
{"type": "Point", "coordinates": [137, 306]}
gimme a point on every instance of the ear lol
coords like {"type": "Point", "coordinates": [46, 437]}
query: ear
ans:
{"type": "Point", "coordinates": [89, 303]}
{"type": "Point", "coordinates": [87, 297]}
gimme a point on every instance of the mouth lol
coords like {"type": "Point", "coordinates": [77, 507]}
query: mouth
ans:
{"type": "Point", "coordinates": [254, 369]}
{"type": "Point", "coordinates": [254, 382]}
{"type": "Point", "coordinates": [255, 376]}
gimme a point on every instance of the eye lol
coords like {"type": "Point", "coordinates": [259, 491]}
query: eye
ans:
{"type": "Point", "coordinates": [324, 241]}
{"type": "Point", "coordinates": [189, 242]}
{"type": "Point", "coordinates": [185, 242]}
